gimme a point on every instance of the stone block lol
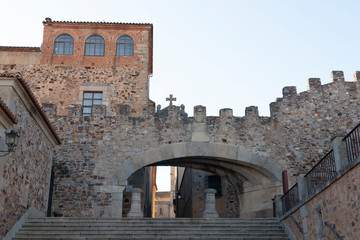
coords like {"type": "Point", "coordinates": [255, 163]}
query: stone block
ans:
{"type": "Point", "coordinates": [289, 92]}
{"type": "Point", "coordinates": [122, 109]}
{"type": "Point", "coordinates": [232, 152]}
{"type": "Point", "coordinates": [166, 152]}
{"type": "Point", "coordinates": [220, 150]}
{"type": "Point", "coordinates": [245, 156]}
{"type": "Point", "coordinates": [99, 110]}
{"type": "Point", "coordinates": [356, 76]}
{"type": "Point", "coordinates": [153, 155]}
{"type": "Point", "coordinates": [252, 111]}
{"type": "Point", "coordinates": [200, 137]}
{"type": "Point", "coordinates": [314, 83]}
{"type": "Point", "coordinates": [226, 113]}
{"type": "Point", "coordinates": [337, 76]}
{"type": "Point", "coordinates": [179, 150]}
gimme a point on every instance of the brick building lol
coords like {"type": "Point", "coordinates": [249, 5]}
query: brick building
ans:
{"type": "Point", "coordinates": [92, 80]}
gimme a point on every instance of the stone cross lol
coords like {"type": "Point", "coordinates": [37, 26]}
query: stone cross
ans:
{"type": "Point", "coordinates": [171, 99]}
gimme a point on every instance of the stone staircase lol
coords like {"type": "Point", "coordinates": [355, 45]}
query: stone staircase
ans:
{"type": "Point", "coordinates": [143, 228]}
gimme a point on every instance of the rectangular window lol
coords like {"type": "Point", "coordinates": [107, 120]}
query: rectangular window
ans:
{"type": "Point", "coordinates": [89, 100]}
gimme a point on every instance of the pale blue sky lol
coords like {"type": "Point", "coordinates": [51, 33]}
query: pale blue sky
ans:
{"type": "Point", "coordinates": [221, 54]}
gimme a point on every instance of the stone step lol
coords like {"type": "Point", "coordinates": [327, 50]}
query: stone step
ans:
{"type": "Point", "coordinates": [100, 223]}
{"type": "Point", "coordinates": [29, 227]}
{"type": "Point", "coordinates": [111, 228]}
{"type": "Point", "coordinates": [153, 235]}
{"type": "Point", "coordinates": [149, 231]}
{"type": "Point", "coordinates": [152, 238]}
{"type": "Point", "coordinates": [155, 220]}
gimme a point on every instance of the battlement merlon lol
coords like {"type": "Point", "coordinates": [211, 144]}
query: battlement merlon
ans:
{"type": "Point", "coordinates": [314, 84]}
{"type": "Point", "coordinates": [289, 95]}
{"type": "Point", "coordinates": [337, 76]}
{"type": "Point", "coordinates": [289, 92]}
{"type": "Point", "coordinates": [356, 76]}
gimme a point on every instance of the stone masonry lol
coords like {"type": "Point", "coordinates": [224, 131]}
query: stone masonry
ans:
{"type": "Point", "coordinates": [97, 147]}
{"type": "Point", "coordinates": [25, 173]}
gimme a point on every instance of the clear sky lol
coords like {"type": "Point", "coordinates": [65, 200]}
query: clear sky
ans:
{"type": "Point", "coordinates": [220, 54]}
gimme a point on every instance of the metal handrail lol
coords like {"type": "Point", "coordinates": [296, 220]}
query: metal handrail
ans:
{"type": "Point", "coordinates": [323, 171]}
{"type": "Point", "coordinates": [352, 141]}
{"type": "Point", "coordinates": [290, 198]}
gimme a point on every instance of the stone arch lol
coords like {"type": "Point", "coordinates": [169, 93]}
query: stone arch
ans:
{"type": "Point", "coordinates": [226, 155]}
{"type": "Point", "coordinates": [256, 177]}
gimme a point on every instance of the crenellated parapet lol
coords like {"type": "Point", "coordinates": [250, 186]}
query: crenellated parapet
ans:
{"type": "Point", "coordinates": [295, 135]}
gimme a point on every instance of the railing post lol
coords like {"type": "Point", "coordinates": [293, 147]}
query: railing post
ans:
{"type": "Point", "coordinates": [340, 154]}
{"type": "Point", "coordinates": [278, 208]}
{"type": "Point", "coordinates": [302, 187]}
{"type": "Point", "coordinates": [285, 181]}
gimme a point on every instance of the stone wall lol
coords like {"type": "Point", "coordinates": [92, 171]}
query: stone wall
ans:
{"type": "Point", "coordinates": [25, 173]}
{"type": "Point", "coordinates": [64, 86]}
{"type": "Point", "coordinates": [339, 204]}
{"type": "Point", "coordinates": [340, 207]}
{"type": "Point", "coordinates": [296, 134]}
{"type": "Point", "coordinates": [96, 148]}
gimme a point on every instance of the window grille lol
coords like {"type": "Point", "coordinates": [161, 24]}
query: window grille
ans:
{"type": "Point", "coordinates": [64, 45]}
{"type": "Point", "coordinates": [125, 46]}
{"type": "Point", "coordinates": [89, 100]}
{"type": "Point", "coordinates": [95, 46]}
{"type": "Point", "coordinates": [214, 182]}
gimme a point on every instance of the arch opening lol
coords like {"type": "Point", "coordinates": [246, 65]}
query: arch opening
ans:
{"type": "Point", "coordinates": [249, 180]}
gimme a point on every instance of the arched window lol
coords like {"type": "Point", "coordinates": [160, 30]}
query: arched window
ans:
{"type": "Point", "coordinates": [125, 46]}
{"type": "Point", "coordinates": [95, 46]}
{"type": "Point", "coordinates": [64, 45]}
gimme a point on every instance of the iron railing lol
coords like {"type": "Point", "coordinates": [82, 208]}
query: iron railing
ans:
{"type": "Point", "coordinates": [323, 171]}
{"type": "Point", "coordinates": [290, 198]}
{"type": "Point", "coordinates": [352, 141]}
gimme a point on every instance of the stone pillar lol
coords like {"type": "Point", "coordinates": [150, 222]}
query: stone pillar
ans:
{"type": "Point", "coordinates": [135, 210]}
{"type": "Point", "coordinates": [302, 187]}
{"type": "Point", "coordinates": [116, 204]}
{"type": "Point", "coordinates": [115, 208]}
{"type": "Point", "coordinates": [340, 154]}
{"type": "Point", "coordinates": [277, 205]}
{"type": "Point", "coordinates": [210, 210]}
